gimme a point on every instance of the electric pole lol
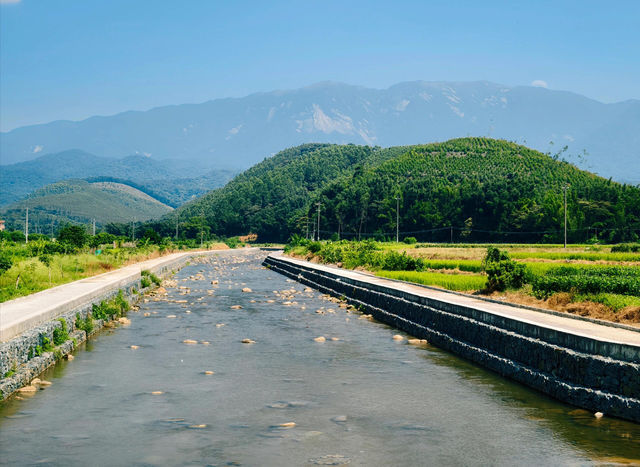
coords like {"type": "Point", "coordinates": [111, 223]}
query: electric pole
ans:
{"type": "Point", "coordinates": [397, 219]}
{"type": "Point", "coordinates": [565, 188]}
{"type": "Point", "coordinates": [176, 229]}
{"type": "Point", "coordinates": [94, 226]}
{"type": "Point", "coordinates": [26, 227]}
{"type": "Point", "coordinates": [318, 235]}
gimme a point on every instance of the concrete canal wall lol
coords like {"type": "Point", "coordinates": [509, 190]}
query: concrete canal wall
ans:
{"type": "Point", "coordinates": [579, 362]}
{"type": "Point", "coordinates": [25, 321]}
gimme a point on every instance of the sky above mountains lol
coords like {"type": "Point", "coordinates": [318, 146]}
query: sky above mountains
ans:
{"type": "Point", "coordinates": [75, 58]}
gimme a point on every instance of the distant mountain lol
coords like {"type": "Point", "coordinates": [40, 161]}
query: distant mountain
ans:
{"type": "Point", "coordinates": [19, 180]}
{"type": "Point", "coordinates": [79, 201]}
{"type": "Point", "coordinates": [239, 132]}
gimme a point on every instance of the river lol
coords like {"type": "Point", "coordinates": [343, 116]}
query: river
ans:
{"type": "Point", "coordinates": [363, 399]}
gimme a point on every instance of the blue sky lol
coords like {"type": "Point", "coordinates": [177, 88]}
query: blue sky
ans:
{"type": "Point", "coordinates": [70, 59]}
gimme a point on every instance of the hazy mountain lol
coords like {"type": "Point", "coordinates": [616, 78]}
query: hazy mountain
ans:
{"type": "Point", "coordinates": [79, 201]}
{"type": "Point", "coordinates": [239, 132]}
{"type": "Point", "coordinates": [18, 180]}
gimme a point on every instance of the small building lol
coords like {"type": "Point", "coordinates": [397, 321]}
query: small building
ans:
{"type": "Point", "coordinates": [1, 225]}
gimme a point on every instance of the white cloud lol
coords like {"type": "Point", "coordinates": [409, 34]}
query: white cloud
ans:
{"type": "Point", "coordinates": [37, 148]}
{"type": "Point", "coordinates": [538, 83]}
{"type": "Point", "coordinates": [6, 2]}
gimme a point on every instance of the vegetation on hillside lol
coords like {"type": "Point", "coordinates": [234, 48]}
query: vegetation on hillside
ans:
{"type": "Point", "coordinates": [463, 190]}
{"type": "Point", "coordinates": [479, 189]}
{"type": "Point", "coordinates": [79, 201]}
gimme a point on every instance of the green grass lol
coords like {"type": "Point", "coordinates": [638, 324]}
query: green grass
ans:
{"type": "Point", "coordinates": [35, 276]}
{"type": "Point", "coordinates": [584, 256]}
{"type": "Point", "coordinates": [468, 265]}
{"type": "Point", "coordinates": [461, 282]}
{"type": "Point", "coordinates": [614, 301]}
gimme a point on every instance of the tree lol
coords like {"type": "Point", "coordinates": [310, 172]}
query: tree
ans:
{"type": "Point", "coordinates": [74, 235]}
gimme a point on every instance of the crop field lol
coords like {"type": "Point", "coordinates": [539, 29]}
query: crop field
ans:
{"type": "Point", "coordinates": [590, 280]}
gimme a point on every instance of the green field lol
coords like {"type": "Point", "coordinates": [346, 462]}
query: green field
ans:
{"type": "Point", "coordinates": [572, 280]}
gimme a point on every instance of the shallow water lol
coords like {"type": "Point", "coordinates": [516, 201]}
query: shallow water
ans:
{"type": "Point", "coordinates": [362, 400]}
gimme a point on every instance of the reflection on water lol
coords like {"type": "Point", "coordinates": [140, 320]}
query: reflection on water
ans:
{"type": "Point", "coordinates": [364, 399]}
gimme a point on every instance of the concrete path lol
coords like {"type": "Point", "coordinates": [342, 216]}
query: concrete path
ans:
{"type": "Point", "coordinates": [566, 324]}
{"type": "Point", "coordinates": [21, 314]}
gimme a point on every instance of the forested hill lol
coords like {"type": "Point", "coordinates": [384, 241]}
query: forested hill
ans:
{"type": "Point", "coordinates": [481, 189]}
{"type": "Point", "coordinates": [271, 198]}
{"type": "Point", "coordinates": [468, 188]}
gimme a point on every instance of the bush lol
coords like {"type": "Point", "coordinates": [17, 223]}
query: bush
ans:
{"type": "Point", "coordinates": [86, 324]}
{"type": "Point", "coordinates": [5, 263]}
{"type": "Point", "coordinates": [61, 334]}
{"type": "Point", "coordinates": [102, 238]}
{"type": "Point", "coordinates": [232, 242]}
{"type": "Point", "coordinates": [145, 282]}
{"type": "Point", "coordinates": [626, 248]}
{"type": "Point", "coordinates": [51, 248]}
{"type": "Point", "coordinates": [502, 272]}
{"type": "Point", "coordinates": [314, 247]}
{"type": "Point", "coordinates": [108, 310]}
{"type": "Point", "coordinates": [410, 240]}
{"type": "Point", "coordinates": [17, 236]}
{"type": "Point", "coordinates": [152, 277]}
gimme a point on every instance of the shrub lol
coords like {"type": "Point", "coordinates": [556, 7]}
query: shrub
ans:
{"type": "Point", "coordinates": [61, 334]}
{"type": "Point", "coordinates": [145, 282]}
{"type": "Point", "coordinates": [626, 248]}
{"type": "Point", "coordinates": [314, 247]}
{"type": "Point", "coordinates": [410, 240]}
{"type": "Point", "coordinates": [502, 272]}
{"type": "Point", "coordinates": [5, 263]}
{"type": "Point", "coordinates": [86, 324]}
{"type": "Point", "coordinates": [152, 277]}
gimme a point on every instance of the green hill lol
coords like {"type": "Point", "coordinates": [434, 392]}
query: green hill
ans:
{"type": "Point", "coordinates": [79, 201]}
{"type": "Point", "coordinates": [480, 189]}
{"type": "Point", "coordinates": [471, 189]}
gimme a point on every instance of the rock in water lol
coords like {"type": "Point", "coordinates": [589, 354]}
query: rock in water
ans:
{"type": "Point", "coordinates": [27, 390]}
{"type": "Point", "coordinates": [247, 290]}
{"type": "Point", "coordinates": [189, 341]}
{"type": "Point", "coordinates": [398, 337]}
{"type": "Point", "coordinates": [320, 339]}
{"type": "Point", "coordinates": [248, 341]}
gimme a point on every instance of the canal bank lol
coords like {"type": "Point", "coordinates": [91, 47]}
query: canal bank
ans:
{"type": "Point", "coordinates": [582, 363]}
{"type": "Point", "coordinates": [25, 322]}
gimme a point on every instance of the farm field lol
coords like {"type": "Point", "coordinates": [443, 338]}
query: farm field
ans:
{"type": "Point", "coordinates": [588, 280]}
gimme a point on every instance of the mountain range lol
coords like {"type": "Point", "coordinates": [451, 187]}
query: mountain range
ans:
{"type": "Point", "coordinates": [238, 132]}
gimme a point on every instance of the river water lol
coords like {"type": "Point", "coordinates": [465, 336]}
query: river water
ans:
{"type": "Point", "coordinates": [365, 399]}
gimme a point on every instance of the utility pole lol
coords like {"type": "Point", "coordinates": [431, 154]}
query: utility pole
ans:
{"type": "Point", "coordinates": [451, 229]}
{"type": "Point", "coordinates": [565, 188]}
{"type": "Point", "coordinates": [94, 226]}
{"type": "Point", "coordinates": [318, 235]}
{"type": "Point", "coordinates": [306, 221]}
{"type": "Point", "coordinates": [176, 229]}
{"type": "Point", "coordinates": [26, 227]}
{"type": "Point", "coordinates": [133, 230]}
{"type": "Point", "coordinates": [397, 219]}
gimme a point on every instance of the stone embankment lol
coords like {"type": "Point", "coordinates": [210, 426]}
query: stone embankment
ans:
{"type": "Point", "coordinates": [25, 322]}
{"type": "Point", "coordinates": [580, 362]}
